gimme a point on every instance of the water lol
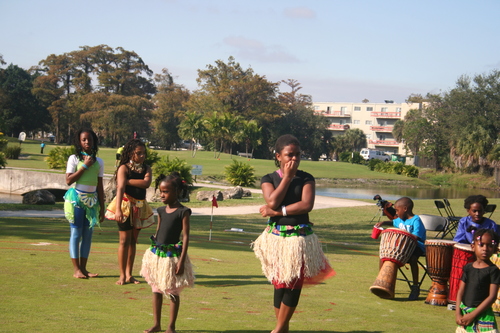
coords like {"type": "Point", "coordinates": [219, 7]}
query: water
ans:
{"type": "Point", "coordinates": [394, 193]}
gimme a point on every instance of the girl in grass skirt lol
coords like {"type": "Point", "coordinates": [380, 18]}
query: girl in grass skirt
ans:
{"type": "Point", "coordinates": [166, 265]}
{"type": "Point", "coordinates": [289, 251]}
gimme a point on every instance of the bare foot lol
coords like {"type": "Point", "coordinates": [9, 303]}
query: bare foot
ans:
{"type": "Point", "coordinates": [90, 275]}
{"type": "Point", "coordinates": [120, 282]}
{"type": "Point", "coordinates": [153, 329]}
{"type": "Point", "coordinates": [133, 280]}
{"type": "Point", "coordinates": [170, 331]}
{"type": "Point", "coordinates": [79, 275]}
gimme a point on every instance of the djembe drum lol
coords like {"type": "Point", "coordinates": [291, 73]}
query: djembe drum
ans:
{"type": "Point", "coordinates": [439, 255]}
{"type": "Point", "coordinates": [396, 247]}
{"type": "Point", "coordinates": [462, 255]}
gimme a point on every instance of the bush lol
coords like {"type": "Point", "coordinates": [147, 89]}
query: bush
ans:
{"type": "Point", "coordinates": [3, 144]}
{"type": "Point", "coordinates": [345, 156]}
{"type": "Point", "coordinates": [410, 171]}
{"type": "Point", "coordinates": [13, 152]}
{"type": "Point", "coordinates": [3, 160]}
{"type": "Point", "coordinates": [397, 167]}
{"type": "Point", "coordinates": [166, 166]}
{"type": "Point", "coordinates": [152, 157]}
{"type": "Point", "coordinates": [373, 163]}
{"type": "Point", "coordinates": [58, 157]}
{"type": "Point", "coordinates": [240, 174]}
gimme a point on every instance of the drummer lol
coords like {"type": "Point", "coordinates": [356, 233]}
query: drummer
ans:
{"type": "Point", "coordinates": [474, 205]}
{"type": "Point", "coordinates": [411, 223]}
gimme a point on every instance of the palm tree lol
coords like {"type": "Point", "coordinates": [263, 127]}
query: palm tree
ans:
{"type": "Point", "coordinates": [192, 128]}
{"type": "Point", "coordinates": [251, 133]}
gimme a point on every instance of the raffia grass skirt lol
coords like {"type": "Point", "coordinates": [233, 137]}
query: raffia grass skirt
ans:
{"type": "Point", "coordinates": [286, 260]}
{"type": "Point", "coordinates": [160, 273]}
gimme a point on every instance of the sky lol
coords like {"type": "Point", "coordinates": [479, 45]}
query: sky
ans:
{"type": "Point", "coordinates": [338, 50]}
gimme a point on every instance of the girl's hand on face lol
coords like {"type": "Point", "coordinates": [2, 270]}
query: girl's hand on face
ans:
{"type": "Point", "coordinates": [290, 169]}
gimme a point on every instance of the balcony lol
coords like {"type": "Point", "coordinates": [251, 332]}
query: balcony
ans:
{"type": "Point", "coordinates": [382, 128]}
{"type": "Point", "coordinates": [338, 127]}
{"type": "Point", "coordinates": [332, 113]}
{"type": "Point", "coordinates": [391, 115]}
{"type": "Point", "coordinates": [383, 142]}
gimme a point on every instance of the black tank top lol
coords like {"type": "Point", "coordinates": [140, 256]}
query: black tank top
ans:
{"type": "Point", "coordinates": [136, 192]}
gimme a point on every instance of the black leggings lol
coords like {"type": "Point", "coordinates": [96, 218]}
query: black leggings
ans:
{"type": "Point", "coordinates": [289, 297]}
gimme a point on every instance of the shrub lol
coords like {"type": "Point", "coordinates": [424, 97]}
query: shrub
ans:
{"type": "Point", "coordinates": [410, 171]}
{"type": "Point", "coordinates": [13, 152]}
{"type": "Point", "coordinates": [58, 157]}
{"type": "Point", "coordinates": [152, 157]}
{"type": "Point", "coordinates": [344, 156]}
{"type": "Point", "coordinates": [3, 160]}
{"type": "Point", "coordinates": [397, 167]}
{"type": "Point", "coordinates": [240, 174]}
{"type": "Point", "coordinates": [166, 166]}
{"type": "Point", "coordinates": [373, 163]}
{"type": "Point", "coordinates": [3, 144]}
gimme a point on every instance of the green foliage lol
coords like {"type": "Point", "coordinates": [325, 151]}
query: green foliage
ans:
{"type": "Point", "coordinates": [165, 166]}
{"type": "Point", "coordinates": [395, 168]}
{"type": "Point", "coordinates": [349, 157]}
{"type": "Point", "coordinates": [3, 160]}
{"type": "Point", "coordinates": [372, 164]}
{"type": "Point", "coordinates": [3, 144]}
{"type": "Point", "coordinates": [410, 171]}
{"type": "Point", "coordinates": [240, 174]}
{"type": "Point", "coordinates": [152, 157]}
{"type": "Point", "coordinates": [58, 157]}
{"type": "Point", "coordinates": [13, 153]}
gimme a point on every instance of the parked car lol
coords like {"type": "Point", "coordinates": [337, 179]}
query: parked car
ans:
{"type": "Point", "coordinates": [370, 154]}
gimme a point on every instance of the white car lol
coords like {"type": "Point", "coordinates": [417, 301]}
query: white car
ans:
{"type": "Point", "coordinates": [370, 154]}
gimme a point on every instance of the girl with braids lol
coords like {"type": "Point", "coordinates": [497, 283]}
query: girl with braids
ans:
{"type": "Point", "coordinates": [83, 203]}
{"type": "Point", "coordinates": [129, 208]}
{"type": "Point", "coordinates": [166, 265]}
{"type": "Point", "coordinates": [289, 251]}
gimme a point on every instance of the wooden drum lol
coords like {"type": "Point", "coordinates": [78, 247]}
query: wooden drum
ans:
{"type": "Point", "coordinates": [462, 255]}
{"type": "Point", "coordinates": [396, 247]}
{"type": "Point", "coordinates": [439, 255]}
{"type": "Point", "coordinates": [496, 306]}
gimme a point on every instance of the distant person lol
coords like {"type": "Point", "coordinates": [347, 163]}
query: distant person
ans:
{"type": "Point", "coordinates": [478, 288]}
{"type": "Point", "coordinates": [129, 208]}
{"type": "Point", "coordinates": [42, 145]}
{"type": "Point", "coordinates": [475, 220]}
{"type": "Point", "coordinates": [408, 221]}
{"type": "Point", "coordinates": [288, 249]}
{"type": "Point", "coordinates": [118, 156]}
{"type": "Point", "coordinates": [166, 265]}
{"type": "Point", "coordinates": [84, 203]}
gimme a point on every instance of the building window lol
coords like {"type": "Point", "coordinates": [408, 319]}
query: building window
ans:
{"type": "Point", "coordinates": [369, 108]}
{"type": "Point", "coordinates": [398, 109]}
{"type": "Point", "coordinates": [343, 109]}
{"type": "Point", "coordinates": [368, 136]}
{"type": "Point", "coordinates": [368, 122]}
{"type": "Point", "coordinates": [356, 122]}
{"type": "Point", "coordinates": [316, 107]}
{"type": "Point", "coordinates": [328, 109]}
{"type": "Point", "coordinates": [357, 108]}
{"type": "Point", "coordinates": [383, 109]}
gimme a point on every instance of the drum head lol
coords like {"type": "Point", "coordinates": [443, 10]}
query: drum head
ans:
{"type": "Point", "coordinates": [463, 247]}
{"type": "Point", "coordinates": [440, 242]}
{"type": "Point", "coordinates": [399, 231]}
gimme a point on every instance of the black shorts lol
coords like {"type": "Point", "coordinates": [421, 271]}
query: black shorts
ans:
{"type": "Point", "coordinates": [118, 156]}
{"type": "Point", "coordinates": [125, 226]}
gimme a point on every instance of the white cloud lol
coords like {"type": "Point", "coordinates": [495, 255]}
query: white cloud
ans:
{"type": "Point", "coordinates": [253, 49]}
{"type": "Point", "coordinates": [300, 12]}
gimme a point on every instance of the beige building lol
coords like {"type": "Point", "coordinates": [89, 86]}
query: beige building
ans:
{"type": "Point", "coordinates": [376, 120]}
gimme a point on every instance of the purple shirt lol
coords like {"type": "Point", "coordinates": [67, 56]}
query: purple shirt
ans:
{"type": "Point", "coordinates": [465, 237]}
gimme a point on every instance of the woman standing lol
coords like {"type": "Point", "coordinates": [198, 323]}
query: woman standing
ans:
{"type": "Point", "coordinates": [289, 251]}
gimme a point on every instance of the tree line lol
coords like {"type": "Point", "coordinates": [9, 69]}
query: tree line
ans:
{"type": "Point", "coordinates": [458, 128]}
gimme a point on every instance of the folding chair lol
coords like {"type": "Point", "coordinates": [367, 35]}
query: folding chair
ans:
{"type": "Point", "coordinates": [409, 281]}
{"type": "Point", "coordinates": [451, 221]}
{"type": "Point", "coordinates": [490, 209]}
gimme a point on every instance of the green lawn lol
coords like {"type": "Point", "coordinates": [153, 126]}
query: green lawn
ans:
{"type": "Point", "coordinates": [231, 295]}
{"type": "Point", "coordinates": [213, 167]}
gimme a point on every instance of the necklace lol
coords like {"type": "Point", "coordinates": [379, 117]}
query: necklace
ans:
{"type": "Point", "coordinates": [137, 167]}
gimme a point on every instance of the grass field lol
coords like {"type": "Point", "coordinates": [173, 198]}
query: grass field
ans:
{"type": "Point", "coordinates": [213, 167]}
{"type": "Point", "coordinates": [230, 295]}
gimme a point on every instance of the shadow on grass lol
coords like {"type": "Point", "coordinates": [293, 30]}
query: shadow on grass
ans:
{"type": "Point", "coordinates": [230, 280]}
{"type": "Point", "coordinates": [267, 331]}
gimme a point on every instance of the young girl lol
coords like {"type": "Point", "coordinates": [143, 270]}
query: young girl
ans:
{"type": "Point", "coordinates": [289, 251]}
{"type": "Point", "coordinates": [83, 203]}
{"type": "Point", "coordinates": [479, 286]}
{"type": "Point", "coordinates": [129, 208]}
{"type": "Point", "coordinates": [474, 205]}
{"type": "Point", "coordinates": [166, 265]}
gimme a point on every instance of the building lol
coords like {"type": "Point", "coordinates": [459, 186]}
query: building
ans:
{"type": "Point", "coordinates": [376, 120]}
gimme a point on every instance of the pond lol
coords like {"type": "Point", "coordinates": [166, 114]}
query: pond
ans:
{"type": "Point", "coordinates": [394, 193]}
